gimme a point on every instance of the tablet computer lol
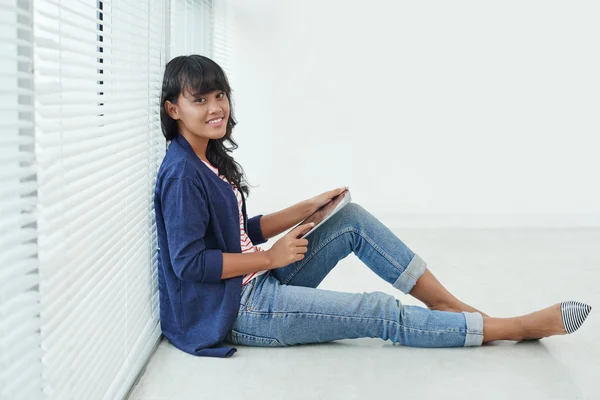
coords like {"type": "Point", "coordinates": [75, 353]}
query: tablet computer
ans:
{"type": "Point", "coordinates": [326, 212]}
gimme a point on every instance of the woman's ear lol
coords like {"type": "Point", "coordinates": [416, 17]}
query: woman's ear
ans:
{"type": "Point", "coordinates": [172, 110]}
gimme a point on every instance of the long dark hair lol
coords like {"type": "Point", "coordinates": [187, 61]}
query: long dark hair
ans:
{"type": "Point", "coordinates": [200, 74]}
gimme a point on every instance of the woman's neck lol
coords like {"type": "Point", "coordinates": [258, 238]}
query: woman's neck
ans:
{"type": "Point", "coordinates": [198, 144]}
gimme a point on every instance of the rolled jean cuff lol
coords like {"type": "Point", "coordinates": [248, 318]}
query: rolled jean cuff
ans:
{"type": "Point", "coordinates": [407, 279]}
{"type": "Point", "coordinates": [474, 322]}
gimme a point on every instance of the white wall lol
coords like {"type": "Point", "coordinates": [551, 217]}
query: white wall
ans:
{"type": "Point", "coordinates": [448, 113]}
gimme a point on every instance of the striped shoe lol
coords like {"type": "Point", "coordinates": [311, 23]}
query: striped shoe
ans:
{"type": "Point", "coordinates": [573, 314]}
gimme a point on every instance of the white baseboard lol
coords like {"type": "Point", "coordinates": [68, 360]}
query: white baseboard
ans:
{"type": "Point", "coordinates": [484, 221]}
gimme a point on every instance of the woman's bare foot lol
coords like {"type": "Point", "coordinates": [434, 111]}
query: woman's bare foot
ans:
{"type": "Point", "coordinates": [456, 307]}
{"type": "Point", "coordinates": [543, 323]}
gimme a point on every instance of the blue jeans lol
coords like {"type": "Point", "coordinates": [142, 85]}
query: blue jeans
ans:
{"type": "Point", "coordinates": [284, 307]}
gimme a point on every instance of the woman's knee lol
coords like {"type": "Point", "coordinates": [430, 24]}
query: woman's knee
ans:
{"type": "Point", "coordinates": [352, 212]}
{"type": "Point", "coordinates": [357, 217]}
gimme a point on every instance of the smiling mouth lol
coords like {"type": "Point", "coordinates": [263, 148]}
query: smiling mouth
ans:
{"type": "Point", "coordinates": [215, 121]}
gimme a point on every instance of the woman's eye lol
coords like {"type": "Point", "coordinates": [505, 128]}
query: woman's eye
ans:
{"type": "Point", "coordinates": [199, 100]}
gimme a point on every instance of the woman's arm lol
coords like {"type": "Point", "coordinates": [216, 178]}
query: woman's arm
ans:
{"type": "Point", "coordinates": [275, 223]}
{"type": "Point", "coordinates": [239, 264]}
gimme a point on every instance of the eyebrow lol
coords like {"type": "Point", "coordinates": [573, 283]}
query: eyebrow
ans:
{"type": "Point", "coordinates": [198, 94]}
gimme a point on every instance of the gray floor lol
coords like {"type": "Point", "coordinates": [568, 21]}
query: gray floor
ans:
{"type": "Point", "coordinates": [502, 272]}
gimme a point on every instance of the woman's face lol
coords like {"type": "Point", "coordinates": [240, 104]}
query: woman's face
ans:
{"type": "Point", "coordinates": [194, 111]}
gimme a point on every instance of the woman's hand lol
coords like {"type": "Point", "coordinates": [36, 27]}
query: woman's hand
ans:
{"type": "Point", "coordinates": [289, 249]}
{"type": "Point", "coordinates": [320, 200]}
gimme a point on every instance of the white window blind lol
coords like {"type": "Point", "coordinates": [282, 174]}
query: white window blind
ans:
{"type": "Point", "coordinates": [223, 37]}
{"type": "Point", "coordinates": [191, 27]}
{"type": "Point", "coordinates": [80, 85]}
{"type": "Point", "coordinates": [20, 351]}
{"type": "Point", "coordinates": [98, 70]}
{"type": "Point", "coordinates": [203, 27]}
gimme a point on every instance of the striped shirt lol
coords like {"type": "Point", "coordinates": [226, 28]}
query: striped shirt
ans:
{"type": "Point", "coordinates": [246, 243]}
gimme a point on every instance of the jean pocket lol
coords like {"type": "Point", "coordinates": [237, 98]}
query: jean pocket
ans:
{"type": "Point", "coordinates": [246, 293]}
{"type": "Point", "coordinates": [246, 339]}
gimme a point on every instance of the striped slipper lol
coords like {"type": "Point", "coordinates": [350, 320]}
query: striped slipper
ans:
{"type": "Point", "coordinates": [573, 315]}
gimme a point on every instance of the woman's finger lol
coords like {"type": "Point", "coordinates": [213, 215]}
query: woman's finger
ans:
{"type": "Point", "coordinates": [301, 242]}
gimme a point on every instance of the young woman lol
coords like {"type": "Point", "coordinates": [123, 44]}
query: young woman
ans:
{"type": "Point", "coordinates": [218, 287]}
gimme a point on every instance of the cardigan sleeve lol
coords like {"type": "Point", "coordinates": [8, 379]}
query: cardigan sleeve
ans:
{"type": "Point", "coordinates": [186, 217]}
{"type": "Point", "coordinates": [254, 231]}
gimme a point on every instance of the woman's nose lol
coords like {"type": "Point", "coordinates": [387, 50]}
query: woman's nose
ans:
{"type": "Point", "coordinates": [214, 107]}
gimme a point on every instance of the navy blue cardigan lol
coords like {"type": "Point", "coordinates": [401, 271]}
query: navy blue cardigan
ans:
{"type": "Point", "coordinates": [197, 220]}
